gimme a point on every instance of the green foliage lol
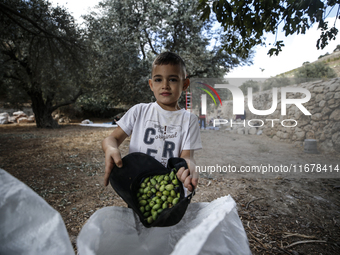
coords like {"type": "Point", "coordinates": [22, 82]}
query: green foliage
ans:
{"type": "Point", "coordinates": [337, 48]}
{"type": "Point", "coordinates": [314, 71]}
{"type": "Point", "coordinates": [277, 82]}
{"type": "Point", "coordinates": [42, 56]}
{"type": "Point", "coordinates": [13, 96]}
{"type": "Point", "coordinates": [321, 56]}
{"type": "Point", "coordinates": [129, 34]}
{"type": "Point", "coordinates": [245, 22]}
{"type": "Point", "coordinates": [46, 57]}
{"type": "Point", "coordinates": [250, 84]}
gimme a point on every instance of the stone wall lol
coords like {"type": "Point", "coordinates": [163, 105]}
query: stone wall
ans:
{"type": "Point", "coordinates": [323, 124]}
{"type": "Point", "coordinates": [10, 111]}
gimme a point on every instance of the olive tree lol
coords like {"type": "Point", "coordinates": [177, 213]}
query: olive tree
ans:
{"type": "Point", "coordinates": [252, 19]}
{"type": "Point", "coordinates": [42, 56]}
{"type": "Point", "coordinates": [129, 34]}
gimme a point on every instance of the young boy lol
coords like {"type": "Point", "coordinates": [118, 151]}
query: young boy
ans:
{"type": "Point", "coordinates": [160, 129]}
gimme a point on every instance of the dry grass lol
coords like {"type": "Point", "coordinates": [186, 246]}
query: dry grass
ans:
{"type": "Point", "coordinates": [65, 166]}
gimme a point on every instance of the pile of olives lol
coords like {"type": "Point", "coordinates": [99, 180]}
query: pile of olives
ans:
{"type": "Point", "coordinates": [157, 193]}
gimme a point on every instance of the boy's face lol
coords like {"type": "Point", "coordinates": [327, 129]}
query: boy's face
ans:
{"type": "Point", "coordinates": [167, 84]}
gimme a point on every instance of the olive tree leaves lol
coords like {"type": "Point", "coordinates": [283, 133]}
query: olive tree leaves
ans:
{"type": "Point", "coordinates": [42, 56]}
{"type": "Point", "coordinates": [246, 21]}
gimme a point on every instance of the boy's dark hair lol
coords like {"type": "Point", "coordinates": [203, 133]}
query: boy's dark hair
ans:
{"type": "Point", "coordinates": [170, 58]}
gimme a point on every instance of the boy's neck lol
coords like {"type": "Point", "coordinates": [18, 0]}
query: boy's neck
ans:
{"type": "Point", "coordinates": [168, 107]}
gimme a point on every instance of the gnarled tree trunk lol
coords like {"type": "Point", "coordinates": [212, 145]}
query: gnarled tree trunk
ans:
{"type": "Point", "coordinates": [42, 110]}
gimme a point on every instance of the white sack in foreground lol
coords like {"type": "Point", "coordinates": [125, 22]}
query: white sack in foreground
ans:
{"type": "Point", "coordinates": [206, 228]}
{"type": "Point", "coordinates": [28, 224]}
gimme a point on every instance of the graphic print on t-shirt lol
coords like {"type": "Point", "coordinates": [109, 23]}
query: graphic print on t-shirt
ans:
{"type": "Point", "coordinates": [161, 139]}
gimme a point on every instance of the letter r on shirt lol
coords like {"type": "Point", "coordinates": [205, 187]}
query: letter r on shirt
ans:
{"type": "Point", "coordinates": [168, 149]}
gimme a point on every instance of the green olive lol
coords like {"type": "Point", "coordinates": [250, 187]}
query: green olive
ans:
{"type": "Point", "coordinates": [169, 187]}
{"type": "Point", "coordinates": [150, 219]}
{"type": "Point", "coordinates": [156, 207]}
{"type": "Point", "coordinates": [142, 209]}
{"type": "Point", "coordinates": [175, 181]}
{"type": "Point", "coordinates": [160, 178]}
{"type": "Point", "coordinates": [142, 202]}
{"type": "Point", "coordinates": [161, 189]}
{"type": "Point", "coordinates": [175, 201]}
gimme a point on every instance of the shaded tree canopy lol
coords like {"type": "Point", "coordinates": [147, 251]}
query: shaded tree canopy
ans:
{"type": "Point", "coordinates": [42, 56]}
{"type": "Point", "coordinates": [252, 19]}
{"type": "Point", "coordinates": [45, 57]}
{"type": "Point", "coordinates": [129, 34]}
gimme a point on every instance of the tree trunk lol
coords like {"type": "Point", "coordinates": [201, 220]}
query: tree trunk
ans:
{"type": "Point", "coordinates": [42, 110]}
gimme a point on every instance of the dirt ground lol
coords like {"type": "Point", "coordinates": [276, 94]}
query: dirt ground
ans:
{"type": "Point", "coordinates": [282, 213]}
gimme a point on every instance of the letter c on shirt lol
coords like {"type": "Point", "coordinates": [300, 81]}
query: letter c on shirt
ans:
{"type": "Point", "coordinates": [147, 138]}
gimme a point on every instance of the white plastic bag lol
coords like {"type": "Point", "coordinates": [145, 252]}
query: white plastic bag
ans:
{"type": "Point", "coordinates": [206, 228]}
{"type": "Point", "coordinates": [28, 224]}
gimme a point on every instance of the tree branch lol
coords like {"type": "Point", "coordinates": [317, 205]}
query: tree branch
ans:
{"type": "Point", "coordinates": [142, 49]}
{"type": "Point", "coordinates": [11, 77]}
{"type": "Point", "coordinates": [71, 101]}
{"type": "Point", "coordinates": [150, 43]}
{"type": "Point", "coordinates": [5, 7]}
{"type": "Point", "coordinates": [16, 22]}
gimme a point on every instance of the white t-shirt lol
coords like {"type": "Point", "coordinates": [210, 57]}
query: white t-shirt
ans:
{"type": "Point", "coordinates": [159, 133]}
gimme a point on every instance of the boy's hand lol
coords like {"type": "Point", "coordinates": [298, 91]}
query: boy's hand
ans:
{"type": "Point", "coordinates": [189, 180]}
{"type": "Point", "coordinates": [189, 177]}
{"type": "Point", "coordinates": [112, 154]}
{"type": "Point", "coordinates": [112, 157]}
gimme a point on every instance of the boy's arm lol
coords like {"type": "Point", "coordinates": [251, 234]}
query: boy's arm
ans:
{"type": "Point", "coordinates": [189, 176]}
{"type": "Point", "coordinates": [112, 154]}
